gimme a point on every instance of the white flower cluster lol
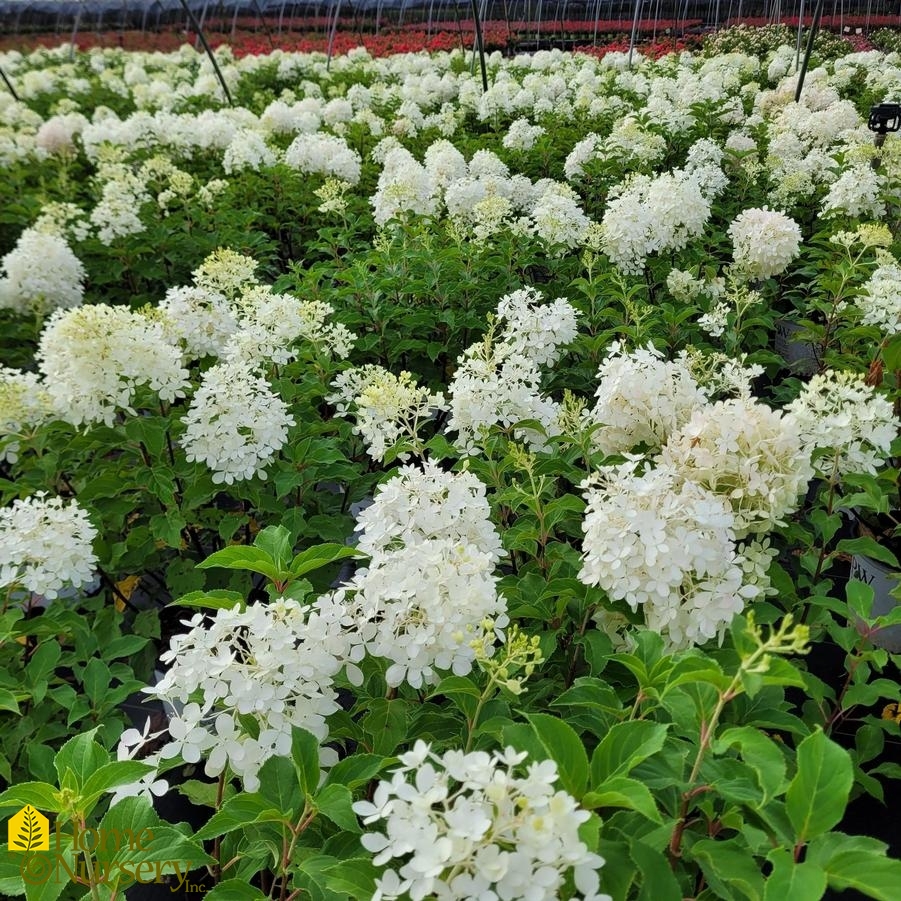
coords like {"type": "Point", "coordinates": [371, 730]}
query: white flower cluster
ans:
{"type": "Point", "coordinates": [45, 544]}
{"type": "Point", "coordinates": [40, 274]}
{"type": "Point", "coordinates": [846, 424]}
{"type": "Point", "coordinates": [535, 329]}
{"type": "Point", "coordinates": [248, 150]}
{"type": "Point", "coordinates": [881, 301]}
{"type": "Point", "coordinates": [667, 546]}
{"type": "Point", "coordinates": [227, 272]}
{"type": "Point", "coordinates": [522, 135]}
{"type": "Point", "coordinates": [323, 154]}
{"type": "Point", "coordinates": [235, 424]}
{"type": "Point", "coordinates": [269, 325]}
{"type": "Point", "coordinates": [388, 408]}
{"type": "Point", "coordinates": [463, 827]}
{"type": "Point", "coordinates": [481, 199]}
{"type": "Point", "coordinates": [429, 587]}
{"type": "Point", "coordinates": [642, 399]}
{"type": "Point", "coordinates": [498, 380]}
{"type": "Point", "coordinates": [650, 215]}
{"type": "Point", "coordinates": [24, 404]}
{"type": "Point", "coordinates": [199, 319]}
{"type": "Point", "coordinates": [764, 243]}
{"type": "Point", "coordinates": [94, 358]}
{"type": "Point", "coordinates": [273, 663]}
{"type": "Point", "coordinates": [746, 453]}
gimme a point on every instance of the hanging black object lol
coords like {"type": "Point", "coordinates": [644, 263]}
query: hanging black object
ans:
{"type": "Point", "coordinates": [480, 43]}
{"type": "Point", "coordinates": [814, 28]}
{"type": "Point", "coordinates": [884, 118]}
{"type": "Point", "coordinates": [209, 51]}
{"type": "Point", "coordinates": [9, 85]}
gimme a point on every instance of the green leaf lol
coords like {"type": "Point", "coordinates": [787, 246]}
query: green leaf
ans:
{"type": "Point", "coordinates": [657, 880]}
{"type": "Point", "coordinates": [334, 802]}
{"type": "Point", "coordinates": [243, 557]}
{"type": "Point", "coordinates": [11, 882]}
{"type": "Point", "coordinates": [278, 785]}
{"type": "Point", "coordinates": [96, 680]}
{"type": "Point", "coordinates": [729, 867]}
{"type": "Point", "coordinates": [623, 748]}
{"type": "Point", "coordinates": [621, 791]}
{"type": "Point", "coordinates": [114, 774]}
{"type": "Point", "coordinates": [762, 754]}
{"type": "Point", "coordinates": [857, 862]}
{"type": "Point", "coordinates": [305, 754]}
{"type": "Point", "coordinates": [355, 877]}
{"type": "Point", "coordinates": [242, 810]}
{"type": "Point", "coordinates": [235, 890]}
{"type": "Point", "coordinates": [795, 881]}
{"type": "Point", "coordinates": [214, 599]}
{"type": "Point", "coordinates": [565, 747]}
{"type": "Point", "coordinates": [319, 556]}
{"type": "Point", "coordinates": [818, 794]}
{"type": "Point", "coordinates": [203, 794]}
{"type": "Point", "coordinates": [8, 701]}
{"type": "Point", "coordinates": [124, 646]}
{"type": "Point", "coordinates": [356, 770]}
{"type": "Point", "coordinates": [276, 542]}
{"type": "Point", "coordinates": [78, 758]}
{"type": "Point", "coordinates": [868, 547]}
{"type": "Point", "coordinates": [40, 795]}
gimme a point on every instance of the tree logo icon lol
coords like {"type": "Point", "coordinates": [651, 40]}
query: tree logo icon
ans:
{"type": "Point", "coordinates": [29, 830]}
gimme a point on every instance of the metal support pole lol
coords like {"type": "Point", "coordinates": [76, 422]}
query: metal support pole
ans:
{"type": "Point", "coordinates": [814, 28]}
{"type": "Point", "coordinates": [9, 85]}
{"type": "Point", "coordinates": [480, 43]}
{"type": "Point", "coordinates": [634, 35]}
{"type": "Point", "coordinates": [209, 51]}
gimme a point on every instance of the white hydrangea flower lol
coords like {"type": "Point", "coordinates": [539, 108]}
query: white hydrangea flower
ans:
{"type": "Point", "coordinates": [423, 606]}
{"type": "Point", "coordinates": [45, 544]}
{"type": "Point", "coordinates": [200, 319]}
{"type": "Point", "coordinates": [496, 385]}
{"type": "Point", "coordinates": [642, 399]}
{"type": "Point", "coordinates": [24, 404]}
{"type": "Point", "coordinates": [324, 154]}
{"type": "Point", "coordinates": [856, 192]}
{"type": "Point", "coordinates": [881, 301]}
{"type": "Point", "coordinates": [421, 504]}
{"type": "Point", "coordinates": [388, 408]}
{"type": "Point", "coordinates": [466, 826]}
{"type": "Point", "coordinates": [226, 272]}
{"type": "Point", "coordinates": [666, 546]}
{"type": "Point", "coordinates": [535, 329]}
{"type": "Point", "coordinates": [746, 453]}
{"type": "Point", "coordinates": [270, 324]}
{"type": "Point", "coordinates": [583, 152]}
{"type": "Point", "coordinates": [235, 424]}
{"type": "Point", "coordinates": [424, 599]}
{"type": "Point", "coordinates": [248, 150]}
{"type": "Point", "coordinates": [764, 243]}
{"type": "Point", "coordinates": [94, 358]}
{"type": "Point", "coordinates": [557, 218]}
{"type": "Point", "coordinates": [123, 194]}
{"type": "Point", "coordinates": [41, 274]}
{"type": "Point", "coordinates": [404, 186]}
{"type": "Point", "coordinates": [522, 135]}
{"type": "Point", "coordinates": [444, 164]}
{"type": "Point", "coordinates": [845, 423]}
{"type": "Point", "coordinates": [274, 663]}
